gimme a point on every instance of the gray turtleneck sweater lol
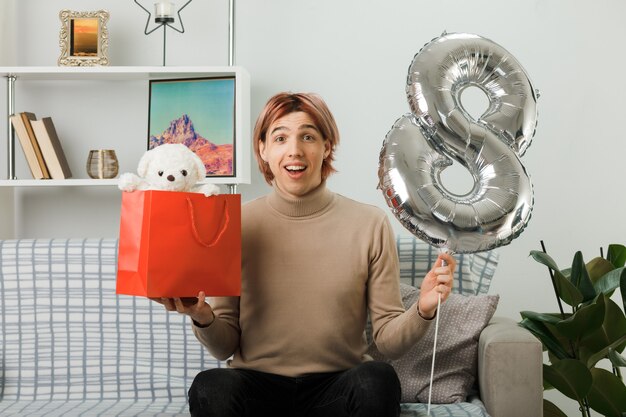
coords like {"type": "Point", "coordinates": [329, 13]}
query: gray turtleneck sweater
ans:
{"type": "Point", "coordinates": [311, 269]}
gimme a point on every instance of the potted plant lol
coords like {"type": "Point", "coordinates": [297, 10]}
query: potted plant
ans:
{"type": "Point", "coordinates": [593, 330]}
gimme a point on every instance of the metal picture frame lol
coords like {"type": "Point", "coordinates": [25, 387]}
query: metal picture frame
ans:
{"type": "Point", "coordinates": [84, 38]}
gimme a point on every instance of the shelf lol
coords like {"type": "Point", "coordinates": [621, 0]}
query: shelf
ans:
{"type": "Point", "coordinates": [133, 73]}
{"type": "Point", "coordinates": [76, 182]}
{"type": "Point", "coordinates": [88, 182]}
{"type": "Point", "coordinates": [114, 73]}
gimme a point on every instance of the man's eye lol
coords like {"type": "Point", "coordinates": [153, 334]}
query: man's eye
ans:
{"type": "Point", "coordinates": [308, 138]}
{"type": "Point", "coordinates": [160, 173]}
{"type": "Point", "coordinates": [279, 139]}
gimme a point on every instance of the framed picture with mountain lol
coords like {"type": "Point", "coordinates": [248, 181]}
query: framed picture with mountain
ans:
{"type": "Point", "coordinates": [199, 113]}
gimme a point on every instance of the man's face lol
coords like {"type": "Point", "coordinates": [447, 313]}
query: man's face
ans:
{"type": "Point", "coordinates": [295, 149]}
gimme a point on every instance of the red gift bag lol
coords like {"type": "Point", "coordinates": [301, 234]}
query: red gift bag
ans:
{"type": "Point", "coordinates": [175, 244]}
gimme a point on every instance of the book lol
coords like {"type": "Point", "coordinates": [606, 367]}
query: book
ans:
{"type": "Point", "coordinates": [51, 148]}
{"type": "Point", "coordinates": [27, 118]}
{"type": "Point", "coordinates": [27, 146]}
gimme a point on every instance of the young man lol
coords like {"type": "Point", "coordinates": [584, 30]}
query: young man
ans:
{"type": "Point", "coordinates": [314, 263]}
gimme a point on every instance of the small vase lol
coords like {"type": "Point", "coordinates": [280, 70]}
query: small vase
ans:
{"type": "Point", "coordinates": [102, 163]}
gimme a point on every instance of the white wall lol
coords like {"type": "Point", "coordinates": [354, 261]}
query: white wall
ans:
{"type": "Point", "coordinates": [7, 32]}
{"type": "Point", "coordinates": [355, 53]}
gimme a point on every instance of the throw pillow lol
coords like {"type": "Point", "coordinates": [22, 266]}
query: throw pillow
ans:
{"type": "Point", "coordinates": [473, 274]}
{"type": "Point", "coordinates": [461, 320]}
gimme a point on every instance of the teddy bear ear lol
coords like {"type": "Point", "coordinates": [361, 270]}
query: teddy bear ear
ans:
{"type": "Point", "coordinates": [144, 162]}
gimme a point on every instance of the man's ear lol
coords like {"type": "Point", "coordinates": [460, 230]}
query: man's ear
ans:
{"type": "Point", "coordinates": [262, 150]}
{"type": "Point", "coordinates": [327, 148]}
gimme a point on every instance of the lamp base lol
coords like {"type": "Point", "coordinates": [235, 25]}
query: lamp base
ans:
{"type": "Point", "coordinates": [164, 19]}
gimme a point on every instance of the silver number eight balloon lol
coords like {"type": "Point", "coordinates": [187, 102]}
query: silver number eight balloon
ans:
{"type": "Point", "coordinates": [439, 129]}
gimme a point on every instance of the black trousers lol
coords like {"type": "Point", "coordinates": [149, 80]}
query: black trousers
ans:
{"type": "Point", "coordinates": [371, 389]}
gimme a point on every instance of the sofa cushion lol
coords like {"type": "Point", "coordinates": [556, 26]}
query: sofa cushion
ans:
{"type": "Point", "coordinates": [473, 408]}
{"type": "Point", "coordinates": [473, 274]}
{"type": "Point", "coordinates": [67, 338]}
{"type": "Point", "coordinates": [161, 407]}
{"type": "Point", "coordinates": [461, 319]}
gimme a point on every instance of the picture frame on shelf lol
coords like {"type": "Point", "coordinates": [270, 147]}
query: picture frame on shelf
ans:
{"type": "Point", "coordinates": [84, 38]}
{"type": "Point", "coordinates": [199, 113]}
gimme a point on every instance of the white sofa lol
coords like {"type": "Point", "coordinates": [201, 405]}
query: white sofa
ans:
{"type": "Point", "coordinates": [70, 346]}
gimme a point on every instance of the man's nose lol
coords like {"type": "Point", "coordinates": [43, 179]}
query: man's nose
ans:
{"type": "Point", "coordinates": [295, 148]}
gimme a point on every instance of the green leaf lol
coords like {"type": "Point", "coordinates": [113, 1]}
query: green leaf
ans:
{"type": "Point", "coordinates": [557, 344]}
{"type": "Point", "coordinates": [587, 319]}
{"type": "Point", "coordinates": [617, 255]}
{"type": "Point", "coordinates": [544, 258]}
{"type": "Point", "coordinates": [551, 318]}
{"type": "Point", "coordinates": [541, 332]}
{"type": "Point", "coordinates": [547, 386]}
{"type": "Point", "coordinates": [616, 359]}
{"type": "Point", "coordinates": [551, 410]}
{"type": "Point", "coordinates": [608, 393]}
{"type": "Point", "coordinates": [597, 267]}
{"type": "Point", "coordinates": [592, 358]}
{"type": "Point", "coordinates": [580, 278]}
{"type": "Point", "coordinates": [566, 272]}
{"type": "Point", "coordinates": [570, 377]}
{"type": "Point", "coordinates": [565, 289]}
{"type": "Point", "coordinates": [613, 329]}
{"type": "Point", "coordinates": [609, 281]}
{"type": "Point", "coordinates": [622, 288]}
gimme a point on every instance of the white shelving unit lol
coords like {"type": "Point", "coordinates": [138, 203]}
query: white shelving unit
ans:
{"type": "Point", "coordinates": [16, 77]}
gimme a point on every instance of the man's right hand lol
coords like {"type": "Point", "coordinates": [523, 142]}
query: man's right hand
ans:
{"type": "Point", "coordinates": [196, 308]}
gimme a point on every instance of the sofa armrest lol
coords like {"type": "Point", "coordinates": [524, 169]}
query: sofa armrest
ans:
{"type": "Point", "coordinates": [510, 364]}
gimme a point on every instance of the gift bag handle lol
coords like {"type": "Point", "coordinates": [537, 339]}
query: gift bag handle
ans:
{"type": "Point", "coordinates": [194, 228]}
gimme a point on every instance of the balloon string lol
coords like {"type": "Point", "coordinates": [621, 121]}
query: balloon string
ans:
{"type": "Point", "coordinates": [432, 365]}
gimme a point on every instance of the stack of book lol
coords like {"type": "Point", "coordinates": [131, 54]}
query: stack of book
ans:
{"type": "Point", "coordinates": [41, 146]}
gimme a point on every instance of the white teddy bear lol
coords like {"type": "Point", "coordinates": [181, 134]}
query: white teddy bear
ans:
{"type": "Point", "coordinates": [171, 167]}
